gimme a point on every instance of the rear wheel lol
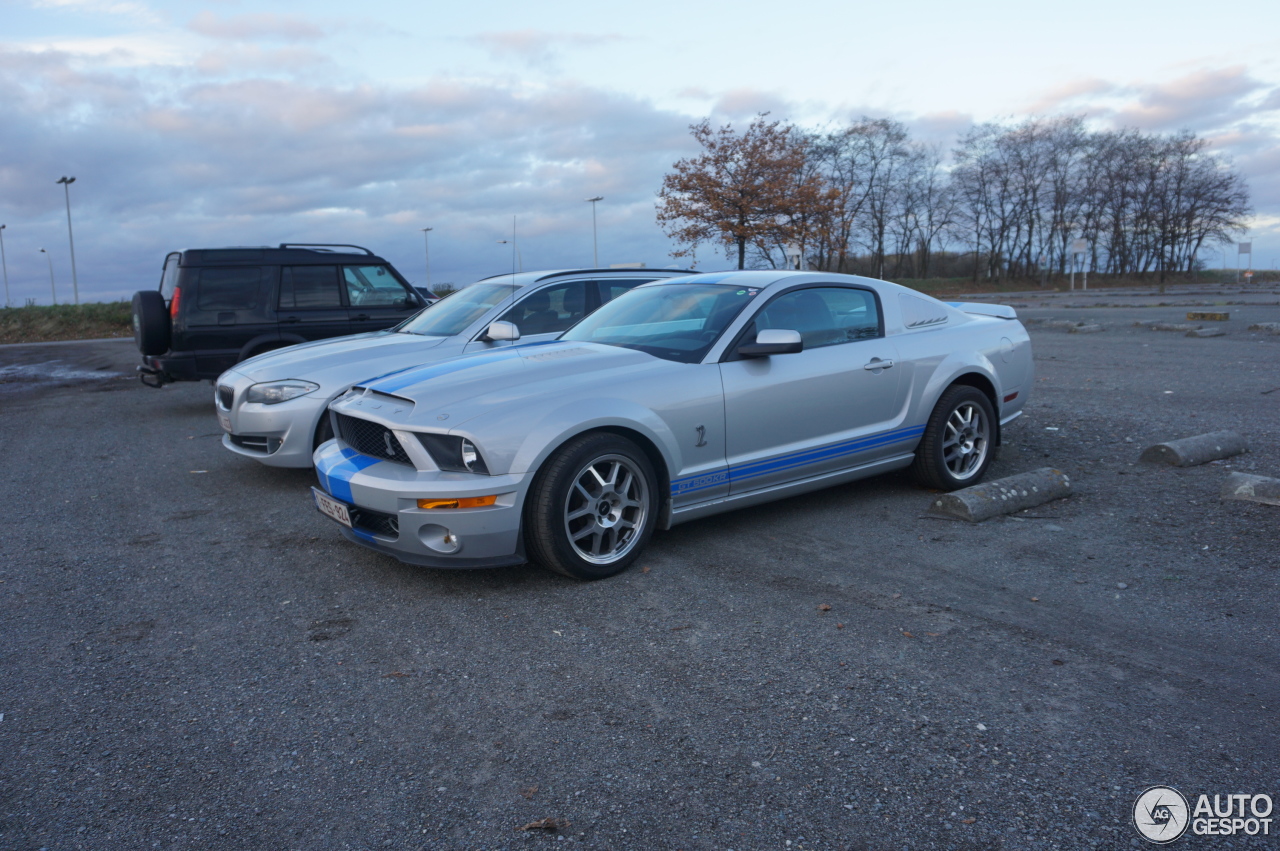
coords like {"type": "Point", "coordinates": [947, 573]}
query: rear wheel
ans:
{"type": "Point", "coordinates": [152, 330]}
{"type": "Point", "coordinates": [592, 507]}
{"type": "Point", "coordinates": [959, 440]}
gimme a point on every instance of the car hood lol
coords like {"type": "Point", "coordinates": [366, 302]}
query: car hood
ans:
{"type": "Point", "coordinates": [460, 388]}
{"type": "Point", "coordinates": [306, 359]}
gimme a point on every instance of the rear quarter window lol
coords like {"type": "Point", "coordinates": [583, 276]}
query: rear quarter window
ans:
{"type": "Point", "coordinates": [229, 288]}
{"type": "Point", "coordinates": [169, 279]}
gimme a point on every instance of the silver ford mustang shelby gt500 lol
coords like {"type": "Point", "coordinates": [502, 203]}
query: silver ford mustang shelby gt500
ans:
{"type": "Point", "coordinates": [676, 400]}
{"type": "Point", "coordinates": [273, 407]}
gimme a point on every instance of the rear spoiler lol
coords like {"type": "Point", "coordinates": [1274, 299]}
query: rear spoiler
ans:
{"type": "Point", "coordinates": [999, 311]}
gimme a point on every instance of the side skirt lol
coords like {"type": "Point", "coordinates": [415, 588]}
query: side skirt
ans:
{"type": "Point", "coordinates": [770, 494]}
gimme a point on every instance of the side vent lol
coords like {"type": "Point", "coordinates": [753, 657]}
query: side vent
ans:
{"type": "Point", "coordinates": [919, 312]}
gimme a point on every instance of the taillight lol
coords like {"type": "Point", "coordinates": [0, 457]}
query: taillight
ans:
{"type": "Point", "coordinates": [173, 305]}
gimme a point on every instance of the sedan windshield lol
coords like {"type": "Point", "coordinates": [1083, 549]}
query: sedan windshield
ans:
{"type": "Point", "coordinates": [678, 322]}
{"type": "Point", "coordinates": [452, 315]}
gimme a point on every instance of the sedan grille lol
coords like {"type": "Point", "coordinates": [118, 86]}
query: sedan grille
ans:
{"type": "Point", "coordinates": [226, 395]}
{"type": "Point", "coordinates": [371, 439]}
{"type": "Point", "coordinates": [375, 522]}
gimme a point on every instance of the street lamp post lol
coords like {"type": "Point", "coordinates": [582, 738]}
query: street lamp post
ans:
{"type": "Point", "coordinates": [52, 287]}
{"type": "Point", "coordinates": [4, 264]}
{"type": "Point", "coordinates": [426, 247]}
{"type": "Point", "coordinates": [595, 254]}
{"type": "Point", "coordinates": [66, 187]}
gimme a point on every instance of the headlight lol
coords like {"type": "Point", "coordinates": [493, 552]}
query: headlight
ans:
{"type": "Point", "coordinates": [453, 454]}
{"type": "Point", "coordinates": [275, 392]}
{"type": "Point", "coordinates": [469, 454]}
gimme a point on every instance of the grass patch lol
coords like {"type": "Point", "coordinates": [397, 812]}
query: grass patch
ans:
{"type": "Point", "coordinates": [48, 323]}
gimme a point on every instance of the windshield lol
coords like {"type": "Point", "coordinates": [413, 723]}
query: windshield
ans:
{"type": "Point", "coordinates": [452, 315]}
{"type": "Point", "coordinates": [678, 322]}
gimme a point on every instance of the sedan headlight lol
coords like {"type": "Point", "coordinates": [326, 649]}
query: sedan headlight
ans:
{"type": "Point", "coordinates": [453, 454]}
{"type": "Point", "coordinates": [275, 392]}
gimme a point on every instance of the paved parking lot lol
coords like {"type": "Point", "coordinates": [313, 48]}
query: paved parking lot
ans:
{"type": "Point", "coordinates": [194, 658]}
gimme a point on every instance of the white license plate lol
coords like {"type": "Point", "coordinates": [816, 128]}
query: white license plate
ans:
{"type": "Point", "coordinates": [224, 421]}
{"type": "Point", "coordinates": [330, 507]}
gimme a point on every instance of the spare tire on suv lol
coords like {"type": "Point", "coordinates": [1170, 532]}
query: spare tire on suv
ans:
{"type": "Point", "coordinates": [151, 327]}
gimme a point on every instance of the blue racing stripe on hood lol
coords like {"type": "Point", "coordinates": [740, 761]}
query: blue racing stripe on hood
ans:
{"type": "Point", "coordinates": [395, 381]}
{"type": "Point", "coordinates": [335, 472]}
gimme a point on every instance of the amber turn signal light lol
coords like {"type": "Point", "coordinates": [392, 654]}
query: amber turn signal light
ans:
{"type": "Point", "coordinates": [460, 502]}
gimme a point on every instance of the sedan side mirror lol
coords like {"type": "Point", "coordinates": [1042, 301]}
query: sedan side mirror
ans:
{"type": "Point", "coordinates": [772, 341]}
{"type": "Point", "coordinates": [501, 332]}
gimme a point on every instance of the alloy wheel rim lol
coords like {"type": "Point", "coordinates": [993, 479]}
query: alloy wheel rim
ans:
{"type": "Point", "coordinates": [965, 441]}
{"type": "Point", "coordinates": [606, 508]}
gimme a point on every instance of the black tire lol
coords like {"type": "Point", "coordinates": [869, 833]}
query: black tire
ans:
{"type": "Point", "coordinates": [324, 430]}
{"type": "Point", "coordinates": [152, 331]}
{"type": "Point", "coordinates": [959, 440]}
{"type": "Point", "coordinates": [615, 519]}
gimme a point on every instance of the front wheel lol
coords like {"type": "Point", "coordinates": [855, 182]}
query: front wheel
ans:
{"type": "Point", "coordinates": [592, 507]}
{"type": "Point", "coordinates": [958, 442]}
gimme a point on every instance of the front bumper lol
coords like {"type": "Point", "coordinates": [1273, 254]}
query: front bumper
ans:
{"type": "Point", "coordinates": [280, 435]}
{"type": "Point", "coordinates": [386, 516]}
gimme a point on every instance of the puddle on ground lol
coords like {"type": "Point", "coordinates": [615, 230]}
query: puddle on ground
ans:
{"type": "Point", "coordinates": [51, 372]}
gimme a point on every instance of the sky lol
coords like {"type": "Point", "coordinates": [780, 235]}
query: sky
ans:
{"type": "Point", "coordinates": [204, 124]}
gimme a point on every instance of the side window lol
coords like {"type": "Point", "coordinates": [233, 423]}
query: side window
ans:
{"type": "Point", "coordinates": [611, 289]}
{"type": "Point", "coordinates": [302, 287]}
{"type": "Point", "coordinates": [551, 310]}
{"type": "Point", "coordinates": [169, 279]}
{"type": "Point", "coordinates": [229, 288]}
{"type": "Point", "coordinates": [372, 286]}
{"type": "Point", "coordinates": [824, 316]}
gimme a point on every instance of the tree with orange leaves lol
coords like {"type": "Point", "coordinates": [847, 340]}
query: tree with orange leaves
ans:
{"type": "Point", "coordinates": [748, 189]}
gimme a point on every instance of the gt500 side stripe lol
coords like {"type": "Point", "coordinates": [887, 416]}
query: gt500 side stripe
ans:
{"type": "Point", "coordinates": [702, 481]}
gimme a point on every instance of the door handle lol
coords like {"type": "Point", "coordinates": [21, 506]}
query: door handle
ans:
{"type": "Point", "coordinates": [877, 364]}
{"type": "Point", "coordinates": [292, 319]}
{"type": "Point", "coordinates": [361, 316]}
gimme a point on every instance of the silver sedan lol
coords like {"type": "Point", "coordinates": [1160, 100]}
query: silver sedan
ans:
{"type": "Point", "coordinates": [272, 407]}
{"type": "Point", "coordinates": [677, 400]}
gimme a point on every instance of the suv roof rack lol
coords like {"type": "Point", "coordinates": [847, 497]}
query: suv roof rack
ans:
{"type": "Point", "coordinates": [325, 246]}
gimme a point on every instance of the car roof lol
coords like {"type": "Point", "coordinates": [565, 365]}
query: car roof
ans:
{"type": "Point", "coordinates": [292, 253]}
{"type": "Point", "coordinates": [524, 279]}
{"type": "Point", "coordinates": [763, 278]}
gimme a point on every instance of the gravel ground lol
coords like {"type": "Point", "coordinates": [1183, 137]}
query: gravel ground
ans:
{"type": "Point", "coordinates": [194, 658]}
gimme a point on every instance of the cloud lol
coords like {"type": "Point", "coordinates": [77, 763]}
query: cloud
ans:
{"type": "Point", "coordinates": [123, 8]}
{"type": "Point", "coordinates": [166, 160]}
{"type": "Point", "coordinates": [1069, 95]}
{"type": "Point", "coordinates": [248, 58]}
{"type": "Point", "coordinates": [1198, 100]}
{"type": "Point", "coordinates": [744, 104]}
{"type": "Point", "coordinates": [536, 48]}
{"type": "Point", "coordinates": [1201, 100]}
{"type": "Point", "coordinates": [261, 25]}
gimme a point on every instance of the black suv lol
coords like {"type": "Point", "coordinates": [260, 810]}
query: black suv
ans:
{"type": "Point", "coordinates": [217, 306]}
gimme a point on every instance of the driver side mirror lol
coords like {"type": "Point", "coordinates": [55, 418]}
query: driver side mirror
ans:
{"type": "Point", "coordinates": [772, 341]}
{"type": "Point", "coordinates": [501, 332]}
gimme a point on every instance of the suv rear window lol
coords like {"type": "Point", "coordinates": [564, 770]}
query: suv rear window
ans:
{"type": "Point", "coordinates": [229, 288]}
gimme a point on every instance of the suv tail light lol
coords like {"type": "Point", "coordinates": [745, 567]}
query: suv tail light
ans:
{"type": "Point", "coordinates": [173, 304]}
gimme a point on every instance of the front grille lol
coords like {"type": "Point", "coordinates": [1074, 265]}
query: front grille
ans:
{"type": "Point", "coordinates": [375, 522]}
{"type": "Point", "coordinates": [371, 439]}
{"type": "Point", "coordinates": [226, 395]}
